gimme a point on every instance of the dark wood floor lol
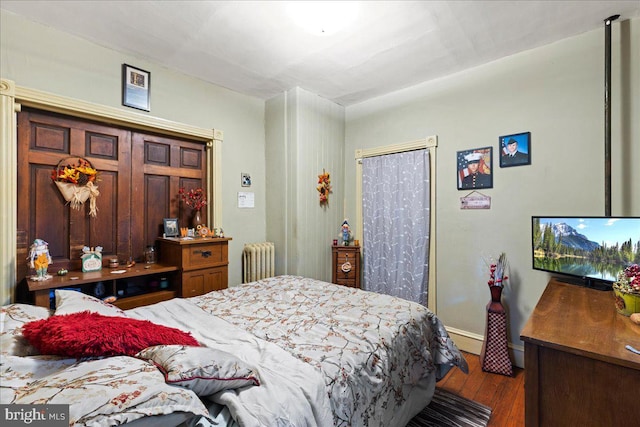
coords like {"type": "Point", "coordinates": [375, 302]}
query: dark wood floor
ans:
{"type": "Point", "coordinates": [504, 395]}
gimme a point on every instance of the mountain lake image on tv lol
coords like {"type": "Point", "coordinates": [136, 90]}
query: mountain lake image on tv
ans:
{"type": "Point", "coordinates": [594, 249]}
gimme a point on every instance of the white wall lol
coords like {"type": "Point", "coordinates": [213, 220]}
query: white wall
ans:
{"type": "Point", "coordinates": [305, 135]}
{"type": "Point", "coordinates": [42, 58]}
{"type": "Point", "coordinates": [555, 92]}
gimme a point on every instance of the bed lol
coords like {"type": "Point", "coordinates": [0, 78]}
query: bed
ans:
{"type": "Point", "coordinates": [283, 351]}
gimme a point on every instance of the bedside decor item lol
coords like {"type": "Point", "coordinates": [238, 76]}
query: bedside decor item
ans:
{"type": "Point", "coordinates": [345, 233]}
{"type": "Point", "coordinates": [494, 356]}
{"type": "Point", "coordinates": [91, 259]}
{"type": "Point", "coordinates": [136, 88]}
{"type": "Point", "coordinates": [39, 259]}
{"type": "Point", "coordinates": [170, 227]}
{"type": "Point", "coordinates": [196, 199]}
{"type": "Point", "coordinates": [627, 290]}
{"type": "Point", "coordinates": [76, 182]}
{"type": "Point", "coordinates": [324, 187]}
{"type": "Point", "coordinates": [515, 150]}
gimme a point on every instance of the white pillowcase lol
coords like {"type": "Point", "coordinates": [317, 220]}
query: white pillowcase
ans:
{"type": "Point", "coordinates": [202, 369]}
{"type": "Point", "coordinates": [68, 302]}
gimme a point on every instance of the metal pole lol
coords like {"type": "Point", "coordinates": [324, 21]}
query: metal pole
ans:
{"type": "Point", "coordinates": [607, 114]}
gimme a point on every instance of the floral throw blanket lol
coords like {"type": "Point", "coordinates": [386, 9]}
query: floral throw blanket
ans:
{"type": "Point", "coordinates": [371, 349]}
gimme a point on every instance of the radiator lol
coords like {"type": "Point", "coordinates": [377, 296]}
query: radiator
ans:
{"type": "Point", "coordinates": [259, 261]}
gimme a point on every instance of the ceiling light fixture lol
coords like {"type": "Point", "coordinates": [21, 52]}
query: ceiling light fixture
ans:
{"type": "Point", "coordinates": [323, 18]}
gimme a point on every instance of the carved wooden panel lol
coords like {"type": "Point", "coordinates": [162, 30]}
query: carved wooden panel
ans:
{"type": "Point", "coordinates": [46, 140]}
{"type": "Point", "coordinates": [155, 180]}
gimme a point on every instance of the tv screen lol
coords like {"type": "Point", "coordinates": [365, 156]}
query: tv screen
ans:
{"type": "Point", "coordinates": [591, 249]}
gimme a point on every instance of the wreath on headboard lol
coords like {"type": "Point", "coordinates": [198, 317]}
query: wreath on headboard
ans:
{"type": "Point", "coordinates": [76, 182]}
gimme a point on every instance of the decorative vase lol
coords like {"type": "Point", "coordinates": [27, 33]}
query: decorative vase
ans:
{"type": "Point", "coordinates": [196, 220]}
{"type": "Point", "coordinates": [495, 305]}
{"type": "Point", "coordinates": [494, 356]}
{"type": "Point", "coordinates": [627, 303]}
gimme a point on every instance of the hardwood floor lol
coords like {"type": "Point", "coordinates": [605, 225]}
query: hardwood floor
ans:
{"type": "Point", "coordinates": [504, 395]}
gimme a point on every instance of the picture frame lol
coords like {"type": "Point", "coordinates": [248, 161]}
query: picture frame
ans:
{"type": "Point", "coordinates": [136, 88]}
{"type": "Point", "coordinates": [245, 179]}
{"type": "Point", "coordinates": [515, 149]}
{"type": "Point", "coordinates": [171, 227]}
{"type": "Point", "coordinates": [474, 168]}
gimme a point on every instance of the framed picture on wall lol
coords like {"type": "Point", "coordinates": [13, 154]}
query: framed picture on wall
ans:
{"type": "Point", "coordinates": [136, 88]}
{"type": "Point", "coordinates": [171, 227]}
{"type": "Point", "coordinates": [515, 150]}
{"type": "Point", "coordinates": [475, 168]}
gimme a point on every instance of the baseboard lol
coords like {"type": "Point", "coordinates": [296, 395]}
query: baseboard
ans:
{"type": "Point", "coordinates": [472, 343]}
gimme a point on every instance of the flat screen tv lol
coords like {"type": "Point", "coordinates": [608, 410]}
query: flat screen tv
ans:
{"type": "Point", "coordinates": [589, 251]}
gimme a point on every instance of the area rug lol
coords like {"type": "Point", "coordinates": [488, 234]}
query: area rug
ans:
{"type": "Point", "coordinates": [448, 410]}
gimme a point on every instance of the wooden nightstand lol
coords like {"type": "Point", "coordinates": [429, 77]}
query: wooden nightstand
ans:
{"type": "Point", "coordinates": [203, 263]}
{"type": "Point", "coordinates": [346, 266]}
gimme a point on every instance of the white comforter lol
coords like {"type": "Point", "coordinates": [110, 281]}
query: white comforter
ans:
{"type": "Point", "coordinates": [291, 393]}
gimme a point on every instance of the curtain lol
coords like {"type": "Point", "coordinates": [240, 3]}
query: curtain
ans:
{"type": "Point", "coordinates": [395, 209]}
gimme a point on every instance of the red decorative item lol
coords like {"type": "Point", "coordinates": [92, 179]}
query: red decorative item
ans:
{"type": "Point", "coordinates": [87, 334]}
{"type": "Point", "coordinates": [494, 356]}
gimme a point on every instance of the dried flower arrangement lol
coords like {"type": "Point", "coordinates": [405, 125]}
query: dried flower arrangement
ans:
{"type": "Point", "coordinates": [195, 198]}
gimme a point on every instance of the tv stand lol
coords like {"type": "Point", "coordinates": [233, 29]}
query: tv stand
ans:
{"type": "Point", "coordinates": [586, 282]}
{"type": "Point", "coordinates": [578, 372]}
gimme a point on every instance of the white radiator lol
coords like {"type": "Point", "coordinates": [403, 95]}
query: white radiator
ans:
{"type": "Point", "coordinates": [259, 261]}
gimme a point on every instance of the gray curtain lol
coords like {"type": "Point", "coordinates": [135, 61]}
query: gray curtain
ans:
{"type": "Point", "coordinates": [395, 208]}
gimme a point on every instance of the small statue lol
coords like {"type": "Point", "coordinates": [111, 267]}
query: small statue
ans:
{"type": "Point", "coordinates": [39, 259]}
{"type": "Point", "coordinates": [346, 233]}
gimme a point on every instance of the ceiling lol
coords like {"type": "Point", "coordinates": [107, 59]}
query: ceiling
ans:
{"type": "Point", "coordinates": [255, 48]}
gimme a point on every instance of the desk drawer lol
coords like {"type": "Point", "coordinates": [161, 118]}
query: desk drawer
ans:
{"type": "Point", "coordinates": [204, 255]}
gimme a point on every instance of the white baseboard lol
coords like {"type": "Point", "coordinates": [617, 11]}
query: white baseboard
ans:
{"type": "Point", "coordinates": [472, 343]}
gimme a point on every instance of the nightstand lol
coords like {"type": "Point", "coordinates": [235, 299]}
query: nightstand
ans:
{"type": "Point", "coordinates": [346, 266]}
{"type": "Point", "coordinates": [203, 263]}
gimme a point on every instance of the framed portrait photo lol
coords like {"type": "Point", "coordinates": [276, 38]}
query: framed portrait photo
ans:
{"type": "Point", "coordinates": [475, 168]}
{"type": "Point", "coordinates": [515, 150]}
{"type": "Point", "coordinates": [136, 88]}
{"type": "Point", "coordinates": [171, 227]}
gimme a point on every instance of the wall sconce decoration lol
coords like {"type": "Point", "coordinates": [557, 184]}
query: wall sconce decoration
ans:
{"type": "Point", "coordinates": [324, 187]}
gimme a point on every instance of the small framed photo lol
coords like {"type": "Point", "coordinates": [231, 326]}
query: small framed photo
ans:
{"type": "Point", "coordinates": [136, 88]}
{"type": "Point", "coordinates": [475, 168]}
{"type": "Point", "coordinates": [171, 227]}
{"type": "Point", "coordinates": [515, 150]}
{"type": "Point", "coordinates": [245, 180]}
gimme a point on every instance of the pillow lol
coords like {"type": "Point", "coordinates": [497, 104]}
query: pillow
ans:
{"type": "Point", "coordinates": [91, 334]}
{"type": "Point", "coordinates": [12, 318]}
{"type": "Point", "coordinates": [68, 302]}
{"type": "Point", "coordinates": [202, 369]}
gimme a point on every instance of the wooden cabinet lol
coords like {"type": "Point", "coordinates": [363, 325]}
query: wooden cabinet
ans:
{"type": "Point", "coordinates": [346, 266]}
{"type": "Point", "coordinates": [203, 263]}
{"type": "Point", "coordinates": [577, 370]}
{"type": "Point", "coordinates": [135, 286]}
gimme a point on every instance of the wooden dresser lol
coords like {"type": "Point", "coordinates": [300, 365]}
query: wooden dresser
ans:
{"type": "Point", "coordinates": [577, 370]}
{"type": "Point", "coordinates": [203, 263]}
{"type": "Point", "coordinates": [346, 266]}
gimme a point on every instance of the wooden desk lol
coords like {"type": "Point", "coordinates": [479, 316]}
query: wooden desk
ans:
{"type": "Point", "coordinates": [76, 279]}
{"type": "Point", "coordinates": [577, 370]}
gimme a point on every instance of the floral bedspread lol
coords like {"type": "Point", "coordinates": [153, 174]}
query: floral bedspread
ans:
{"type": "Point", "coordinates": [371, 349]}
{"type": "Point", "coordinates": [104, 391]}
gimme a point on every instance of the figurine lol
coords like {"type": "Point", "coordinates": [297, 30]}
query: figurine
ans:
{"type": "Point", "coordinates": [40, 259]}
{"type": "Point", "coordinates": [346, 233]}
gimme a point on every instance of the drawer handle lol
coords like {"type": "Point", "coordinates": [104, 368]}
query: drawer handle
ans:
{"type": "Point", "coordinates": [346, 267]}
{"type": "Point", "coordinates": [205, 254]}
